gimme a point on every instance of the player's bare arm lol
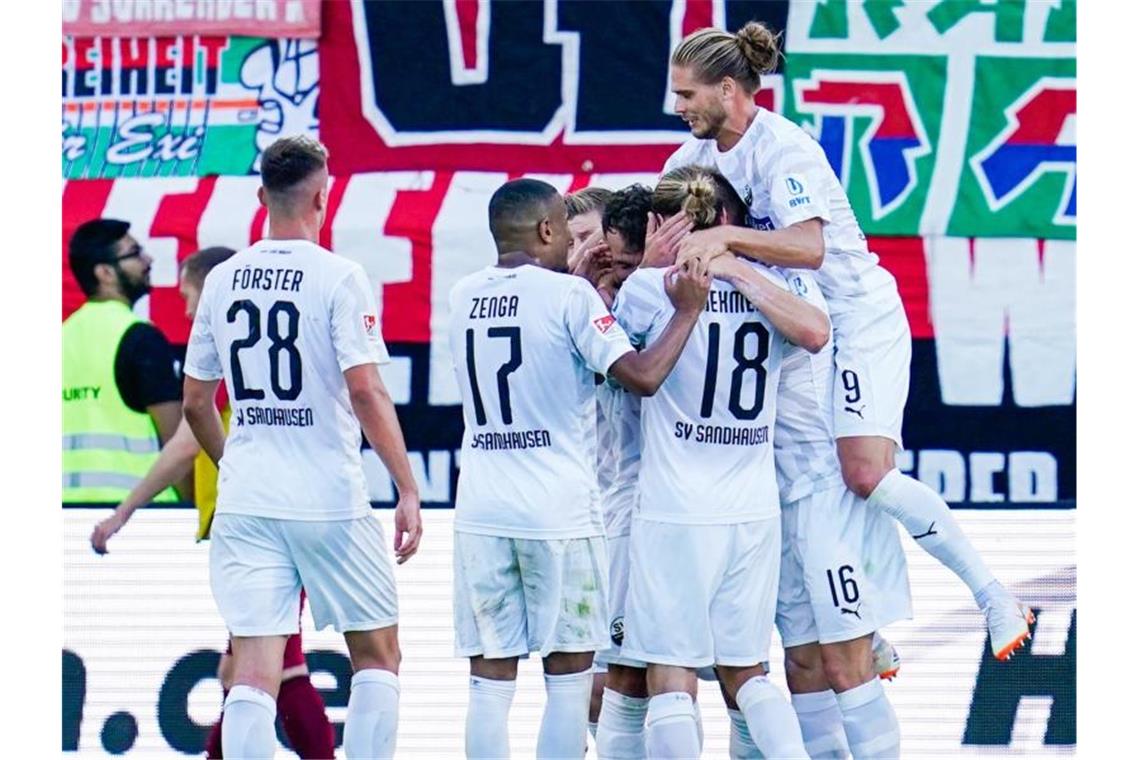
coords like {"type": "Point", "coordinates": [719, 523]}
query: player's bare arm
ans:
{"type": "Point", "coordinates": [377, 415]}
{"type": "Point", "coordinates": [203, 417]}
{"type": "Point", "coordinates": [805, 325]}
{"type": "Point", "coordinates": [175, 462]}
{"type": "Point", "coordinates": [797, 246]}
{"type": "Point", "coordinates": [167, 417]}
{"type": "Point", "coordinates": [642, 372]}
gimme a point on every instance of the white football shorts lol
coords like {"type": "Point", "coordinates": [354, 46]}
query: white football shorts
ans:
{"type": "Point", "coordinates": [702, 595]}
{"type": "Point", "coordinates": [258, 566]}
{"type": "Point", "coordinates": [843, 573]}
{"type": "Point", "coordinates": [513, 596]}
{"type": "Point", "coordinates": [872, 364]}
{"type": "Point", "coordinates": [618, 594]}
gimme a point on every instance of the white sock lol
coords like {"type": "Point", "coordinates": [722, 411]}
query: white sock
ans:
{"type": "Point", "coordinates": [927, 518]}
{"type": "Point", "coordinates": [870, 722]}
{"type": "Point", "coordinates": [247, 723]}
{"type": "Point", "coordinates": [373, 715]}
{"type": "Point", "coordinates": [563, 730]}
{"type": "Point", "coordinates": [488, 704]}
{"type": "Point", "coordinates": [821, 723]}
{"type": "Point", "coordinates": [671, 727]}
{"type": "Point", "coordinates": [621, 726]}
{"type": "Point", "coordinates": [771, 720]}
{"type": "Point", "coordinates": [740, 744]}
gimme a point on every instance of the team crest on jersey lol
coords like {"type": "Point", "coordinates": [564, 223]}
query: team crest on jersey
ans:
{"type": "Point", "coordinates": [617, 630]}
{"type": "Point", "coordinates": [604, 323]}
{"type": "Point", "coordinates": [747, 196]}
{"type": "Point", "coordinates": [370, 325]}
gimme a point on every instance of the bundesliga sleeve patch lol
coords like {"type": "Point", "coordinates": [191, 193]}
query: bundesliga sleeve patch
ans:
{"type": "Point", "coordinates": [604, 323]}
{"type": "Point", "coordinates": [370, 326]}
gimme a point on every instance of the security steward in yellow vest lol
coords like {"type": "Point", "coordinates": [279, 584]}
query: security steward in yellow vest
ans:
{"type": "Point", "coordinates": [181, 454]}
{"type": "Point", "coordinates": [121, 390]}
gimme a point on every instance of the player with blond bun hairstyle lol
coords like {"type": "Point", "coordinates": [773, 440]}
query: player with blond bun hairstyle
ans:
{"type": "Point", "coordinates": [707, 493]}
{"type": "Point", "coordinates": [799, 216]}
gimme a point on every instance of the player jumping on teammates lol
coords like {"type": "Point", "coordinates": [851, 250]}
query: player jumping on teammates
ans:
{"type": "Point", "coordinates": [294, 332]}
{"type": "Point", "coordinates": [799, 217]}
{"type": "Point", "coordinates": [530, 559]}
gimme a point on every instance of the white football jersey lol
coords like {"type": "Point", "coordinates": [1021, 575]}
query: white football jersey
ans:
{"type": "Point", "coordinates": [281, 321]}
{"type": "Point", "coordinates": [707, 433]}
{"type": "Point", "coordinates": [806, 460]}
{"type": "Point", "coordinates": [619, 455]}
{"type": "Point", "coordinates": [526, 343]}
{"type": "Point", "coordinates": [783, 176]}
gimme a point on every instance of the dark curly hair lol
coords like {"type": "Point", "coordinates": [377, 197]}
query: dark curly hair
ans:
{"type": "Point", "coordinates": [627, 212]}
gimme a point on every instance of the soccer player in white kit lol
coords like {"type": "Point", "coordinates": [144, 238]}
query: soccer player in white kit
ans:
{"type": "Point", "coordinates": [293, 330]}
{"type": "Point", "coordinates": [843, 572]}
{"type": "Point", "coordinates": [799, 216]}
{"type": "Point", "coordinates": [530, 560]}
{"type": "Point", "coordinates": [704, 547]}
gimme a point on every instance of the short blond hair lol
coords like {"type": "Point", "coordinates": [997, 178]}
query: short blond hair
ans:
{"type": "Point", "coordinates": [586, 200]}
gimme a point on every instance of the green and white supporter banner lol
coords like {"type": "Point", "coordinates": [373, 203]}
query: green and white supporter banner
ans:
{"type": "Point", "coordinates": [182, 106]}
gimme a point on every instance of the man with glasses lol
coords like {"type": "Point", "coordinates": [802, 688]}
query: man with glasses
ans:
{"type": "Point", "coordinates": [121, 390]}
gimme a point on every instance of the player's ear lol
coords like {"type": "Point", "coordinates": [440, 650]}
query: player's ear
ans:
{"type": "Point", "coordinates": [723, 219]}
{"type": "Point", "coordinates": [727, 87]}
{"type": "Point", "coordinates": [261, 196]}
{"type": "Point", "coordinates": [545, 230]}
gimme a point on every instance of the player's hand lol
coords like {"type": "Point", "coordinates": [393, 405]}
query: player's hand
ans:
{"type": "Point", "coordinates": [104, 530]}
{"type": "Point", "coordinates": [409, 529]}
{"type": "Point", "coordinates": [687, 286]}
{"type": "Point", "coordinates": [578, 252]}
{"type": "Point", "coordinates": [705, 245]}
{"type": "Point", "coordinates": [724, 268]}
{"type": "Point", "coordinates": [595, 263]}
{"type": "Point", "coordinates": [663, 238]}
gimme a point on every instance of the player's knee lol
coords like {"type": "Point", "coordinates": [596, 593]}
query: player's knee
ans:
{"type": "Point", "coordinates": [379, 649]}
{"type": "Point", "coordinates": [862, 476]}
{"type": "Point", "coordinates": [845, 671]}
{"type": "Point", "coordinates": [803, 666]}
{"type": "Point", "coordinates": [226, 671]}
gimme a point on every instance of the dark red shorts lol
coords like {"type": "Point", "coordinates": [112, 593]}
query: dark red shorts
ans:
{"type": "Point", "coordinates": [294, 652]}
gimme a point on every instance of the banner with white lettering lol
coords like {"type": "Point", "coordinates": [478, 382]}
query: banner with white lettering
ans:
{"type": "Point", "coordinates": [154, 18]}
{"type": "Point", "coordinates": [185, 105]}
{"type": "Point", "coordinates": [940, 118]}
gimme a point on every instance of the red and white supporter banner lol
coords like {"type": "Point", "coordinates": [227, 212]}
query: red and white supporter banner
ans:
{"type": "Point", "coordinates": [154, 18]}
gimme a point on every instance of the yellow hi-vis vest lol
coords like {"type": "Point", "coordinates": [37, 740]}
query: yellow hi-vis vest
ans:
{"type": "Point", "coordinates": [107, 446]}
